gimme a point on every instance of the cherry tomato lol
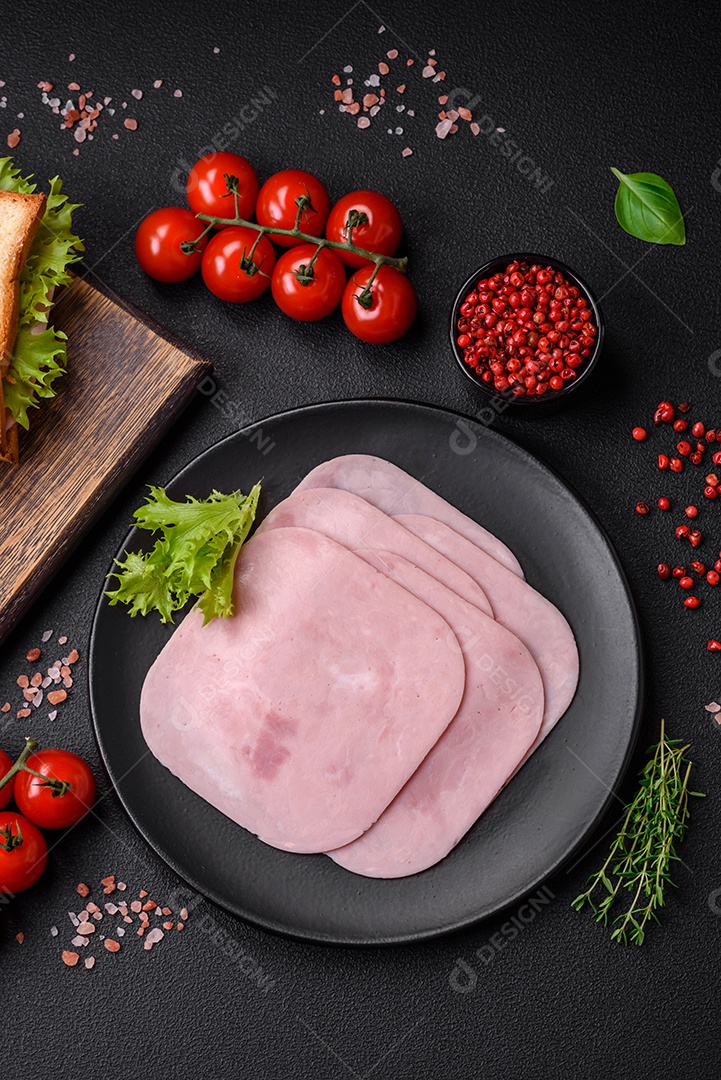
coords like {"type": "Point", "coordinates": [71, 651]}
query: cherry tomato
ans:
{"type": "Point", "coordinates": [318, 297]}
{"type": "Point", "coordinates": [158, 240]}
{"type": "Point", "coordinates": [44, 804]}
{"type": "Point", "coordinates": [6, 793]}
{"type": "Point", "coordinates": [207, 190]}
{"type": "Point", "coordinates": [222, 272]}
{"type": "Point", "coordinates": [276, 204]}
{"type": "Point", "coordinates": [381, 234]}
{"type": "Point", "coordinates": [392, 309]}
{"type": "Point", "coordinates": [23, 853]}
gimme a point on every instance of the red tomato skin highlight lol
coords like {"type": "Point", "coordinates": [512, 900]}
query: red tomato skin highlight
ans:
{"type": "Point", "coordinates": [6, 793]}
{"type": "Point", "coordinates": [37, 802]}
{"type": "Point", "coordinates": [221, 264]}
{"type": "Point", "coordinates": [207, 192]}
{"type": "Point", "coordinates": [276, 205]}
{"type": "Point", "coordinates": [25, 864]}
{"type": "Point", "coordinates": [157, 244]}
{"type": "Point", "coordinates": [381, 235]}
{"type": "Point", "coordinates": [392, 310]}
{"type": "Point", "coordinates": [308, 303]}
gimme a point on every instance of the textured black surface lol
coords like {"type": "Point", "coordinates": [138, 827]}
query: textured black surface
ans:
{"type": "Point", "coordinates": [541, 819]}
{"type": "Point", "coordinates": [580, 89]}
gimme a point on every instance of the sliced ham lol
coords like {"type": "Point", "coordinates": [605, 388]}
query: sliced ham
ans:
{"type": "Point", "coordinates": [303, 715]}
{"type": "Point", "coordinates": [395, 492]}
{"type": "Point", "coordinates": [531, 617]}
{"type": "Point", "coordinates": [353, 522]}
{"type": "Point", "coordinates": [493, 730]}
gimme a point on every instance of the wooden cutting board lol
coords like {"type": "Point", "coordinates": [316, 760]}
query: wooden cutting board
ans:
{"type": "Point", "coordinates": [126, 383]}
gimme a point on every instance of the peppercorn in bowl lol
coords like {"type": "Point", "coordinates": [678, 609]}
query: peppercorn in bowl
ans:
{"type": "Point", "coordinates": [527, 331]}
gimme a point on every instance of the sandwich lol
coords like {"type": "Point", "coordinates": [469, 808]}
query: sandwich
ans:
{"type": "Point", "coordinates": [37, 245]}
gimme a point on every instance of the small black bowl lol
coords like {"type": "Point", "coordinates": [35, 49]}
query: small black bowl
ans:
{"type": "Point", "coordinates": [528, 407]}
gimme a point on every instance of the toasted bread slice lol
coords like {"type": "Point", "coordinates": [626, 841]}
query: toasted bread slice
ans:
{"type": "Point", "coordinates": [20, 216]}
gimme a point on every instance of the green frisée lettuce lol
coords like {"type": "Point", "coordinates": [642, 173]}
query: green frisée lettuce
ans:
{"type": "Point", "coordinates": [39, 356]}
{"type": "Point", "coordinates": [195, 555]}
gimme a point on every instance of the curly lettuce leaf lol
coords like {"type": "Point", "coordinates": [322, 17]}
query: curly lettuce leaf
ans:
{"type": "Point", "coordinates": [37, 361]}
{"type": "Point", "coordinates": [195, 556]}
{"type": "Point", "coordinates": [39, 358]}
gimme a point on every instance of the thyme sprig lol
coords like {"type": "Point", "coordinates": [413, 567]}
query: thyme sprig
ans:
{"type": "Point", "coordinates": [641, 855]}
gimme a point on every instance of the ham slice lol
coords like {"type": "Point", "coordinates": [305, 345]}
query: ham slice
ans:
{"type": "Point", "coordinates": [395, 492]}
{"type": "Point", "coordinates": [303, 716]}
{"type": "Point", "coordinates": [353, 522]}
{"type": "Point", "coordinates": [493, 730]}
{"type": "Point", "coordinates": [531, 617]}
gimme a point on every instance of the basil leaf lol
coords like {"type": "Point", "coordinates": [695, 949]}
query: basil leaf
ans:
{"type": "Point", "coordinates": [647, 208]}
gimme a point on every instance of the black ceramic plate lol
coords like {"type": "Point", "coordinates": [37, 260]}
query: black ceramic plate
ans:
{"type": "Point", "coordinates": [539, 819]}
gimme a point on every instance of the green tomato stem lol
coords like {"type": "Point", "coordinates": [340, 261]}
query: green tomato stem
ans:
{"type": "Point", "coordinates": [400, 264]}
{"type": "Point", "coordinates": [30, 747]}
{"type": "Point", "coordinates": [58, 787]}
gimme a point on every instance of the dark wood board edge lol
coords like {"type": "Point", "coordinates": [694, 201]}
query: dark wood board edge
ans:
{"type": "Point", "coordinates": [127, 466]}
{"type": "Point", "coordinates": [83, 274]}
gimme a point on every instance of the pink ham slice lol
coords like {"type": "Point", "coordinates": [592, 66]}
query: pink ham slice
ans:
{"type": "Point", "coordinates": [353, 522]}
{"type": "Point", "coordinates": [395, 492]}
{"type": "Point", "coordinates": [493, 730]}
{"type": "Point", "coordinates": [303, 716]}
{"type": "Point", "coordinates": [531, 617]}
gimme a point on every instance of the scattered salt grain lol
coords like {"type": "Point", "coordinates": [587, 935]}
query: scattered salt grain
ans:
{"type": "Point", "coordinates": [156, 85]}
{"type": "Point", "coordinates": [363, 122]}
{"type": "Point", "coordinates": [111, 945]}
{"type": "Point", "coordinates": [347, 69]}
{"type": "Point", "coordinates": [407, 152]}
{"type": "Point", "coordinates": [53, 714]}
{"type": "Point", "coordinates": [47, 634]}
{"type": "Point", "coordinates": [177, 93]}
{"type": "Point", "coordinates": [155, 935]}
{"type": "Point", "coordinates": [713, 707]}
{"type": "Point", "coordinates": [79, 941]}
{"type": "Point", "coordinates": [89, 962]}
{"type": "Point", "coordinates": [443, 127]}
{"type": "Point", "coordinates": [53, 931]}
{"type": "Point", "coordinates": [137, 94]}
{"type": "Point", "coordinates": [428, 72]}
{"type": "Point", "coordinates": [216, 50]}
{"type": "Point", "coordinates": [381, 29]}
{"type": "Point", "coordinates": [20, 937]}
{"type": "Point", "coordinates": [70, 958]}
{"type": "Point", "coordinates": [13, 138]}
{"type": "Point", "coordinates": [71, 57]}
{"type": "Point", "coordinates": [475, 128]}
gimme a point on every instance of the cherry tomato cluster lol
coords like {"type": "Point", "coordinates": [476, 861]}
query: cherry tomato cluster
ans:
{"type": "Point", "coordinates": [52, 789]}
{"type": "Point", "coordinates": [308, 281]}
